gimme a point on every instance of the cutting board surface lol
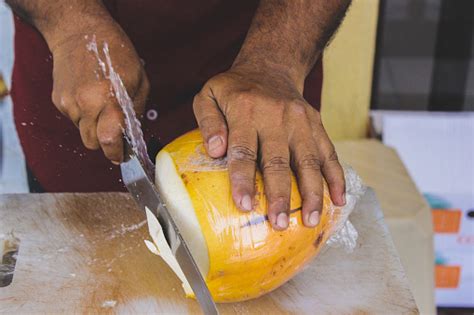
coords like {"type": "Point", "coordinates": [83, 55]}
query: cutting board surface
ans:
{"type": "Point", "coordinates": [84, 253]}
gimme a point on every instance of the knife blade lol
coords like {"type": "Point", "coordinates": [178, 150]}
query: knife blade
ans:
{"type": "Point", "coordinates": [146, 195]}
{"type": "Point", "coordinates": [138, 175]}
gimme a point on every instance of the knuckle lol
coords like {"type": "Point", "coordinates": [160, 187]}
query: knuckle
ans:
{"type": "Point", "coordinates": [276, 164]}
{"type": "Point", "coordinates": [331, 157]}
{"type": "Point", "coordinates": [107, 139]}
{"type": "Point", "coordinates": [211, 123]}
{"type": "Point", "coordinates": [336, 181]}
{"type": "Point", "coordinates": [278, 198]}
{"type": "Point", "coordinates": [242, 153]}
{"type": "Point", "coordinates": [278, 202]}
{"type": "Point", "coordinates": [239, 176]}
{"type": "Point", "coordinates": [218, 128]}
{"type": "Point", "coordinates": [309, 161]}
{"type": "Point", "coordinates": [198, 101]}
{"type": "Point", "coordinates": [63, 101]}
{"type": "Point", "coordinates": [312, 199]}
{"type": "Point", "coordinates": [95, 95]}
{"type": "Point", "coordinates": [298, 108]}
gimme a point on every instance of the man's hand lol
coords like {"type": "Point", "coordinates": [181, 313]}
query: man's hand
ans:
{"type": "Point", "coordinates": [82, 93]}
{"type": "Point", "coordinates": [255, 112]}
{"type": "Point", "coordinates": [262, 117]}
{"type": "Point", "coordinates": [80, 89]}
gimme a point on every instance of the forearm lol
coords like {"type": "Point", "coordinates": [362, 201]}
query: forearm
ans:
{"type": "Point", "coordinates": [290, 35]}
{"type": "Point", "coordinates": [56, 20]}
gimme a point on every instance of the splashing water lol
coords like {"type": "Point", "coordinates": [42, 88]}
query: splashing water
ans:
{"type": "Point", "coordinates": [133, 130]}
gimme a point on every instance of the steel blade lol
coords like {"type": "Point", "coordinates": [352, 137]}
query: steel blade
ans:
{"type": "Point", "coordinates": [146, 196]}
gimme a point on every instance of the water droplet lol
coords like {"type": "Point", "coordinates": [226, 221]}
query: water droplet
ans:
{"type": "Point", "coordinates": [151, 114]}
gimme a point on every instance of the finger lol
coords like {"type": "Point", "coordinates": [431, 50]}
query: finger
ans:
{"type": "Point", "coordinates": [90, 100]}
{"type": "Point", "coordinates": [242, 157]}
{"type": "Point", "coordinates": [276, 175]}
{"type": "Point", "coordinates": [330, 166]}
{"type": "Point", "coordinates": [307, 165]}
{"type": "Point", "coordinates": [109, 132]}
{"type": "Point", "coordinates": [67, 105]}
{"type": "Point", "coordinates": [88, 130]}
{"type": "Point", "coordinates": [212, 124]}
{"type": "Point", "coordinates": [333, 172]}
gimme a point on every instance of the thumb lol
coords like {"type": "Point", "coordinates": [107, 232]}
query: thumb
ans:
{"type": "Point", "coordinates": [212, 125]}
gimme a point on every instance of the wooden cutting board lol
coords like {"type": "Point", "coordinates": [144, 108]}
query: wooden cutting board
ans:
{"type": "Point", "coordinates": [84, 253]}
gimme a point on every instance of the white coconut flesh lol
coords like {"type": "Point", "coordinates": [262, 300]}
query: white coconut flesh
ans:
{"type": "Point", "coordinates": [178, 202]}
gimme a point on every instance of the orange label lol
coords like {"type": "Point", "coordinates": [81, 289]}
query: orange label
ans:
{"type": "Point", "coordinates": [446, 220]}
{"type": "Point", "coordinates": [447, 276]}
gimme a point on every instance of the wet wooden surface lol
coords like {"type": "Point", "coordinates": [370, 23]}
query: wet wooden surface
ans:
{"type": "Point", "coordinates": [84, 253]}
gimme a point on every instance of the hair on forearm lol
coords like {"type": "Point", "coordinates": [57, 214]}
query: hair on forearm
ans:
{"type": "Point", "coordinates": [56, 18]}
{"type": "Point", "coordinates": [291, 34]}
{"type": "Point", "coordinates": [36, 11]}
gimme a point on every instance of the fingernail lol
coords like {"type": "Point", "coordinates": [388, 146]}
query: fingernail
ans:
{"type": "Point", "coordinates": [282, 220]}
{"type": "Point", "coordinates": [214, 143]}
{"type": "Point", "coordinates": [246, 203]}
{"type": "Point", "coordinates": [313, 218]}
{"type": "Point", "coordinates": [343, 199]}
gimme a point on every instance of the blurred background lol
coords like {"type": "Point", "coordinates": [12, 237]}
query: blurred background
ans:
{"type": "Point", "coordinates": [420, 102]}
{"type": "Point", "coordinates": [424, 56]}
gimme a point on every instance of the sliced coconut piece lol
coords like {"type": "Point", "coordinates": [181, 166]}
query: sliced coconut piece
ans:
{"type": "Point", "coordinates": [160, 247]}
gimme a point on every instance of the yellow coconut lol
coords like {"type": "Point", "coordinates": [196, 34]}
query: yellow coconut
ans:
{"type": "Point", "coordinates": [239, 254]}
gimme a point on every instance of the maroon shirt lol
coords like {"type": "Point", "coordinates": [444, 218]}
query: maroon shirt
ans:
{"type": "Point", "coordinates": [183, 44]}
